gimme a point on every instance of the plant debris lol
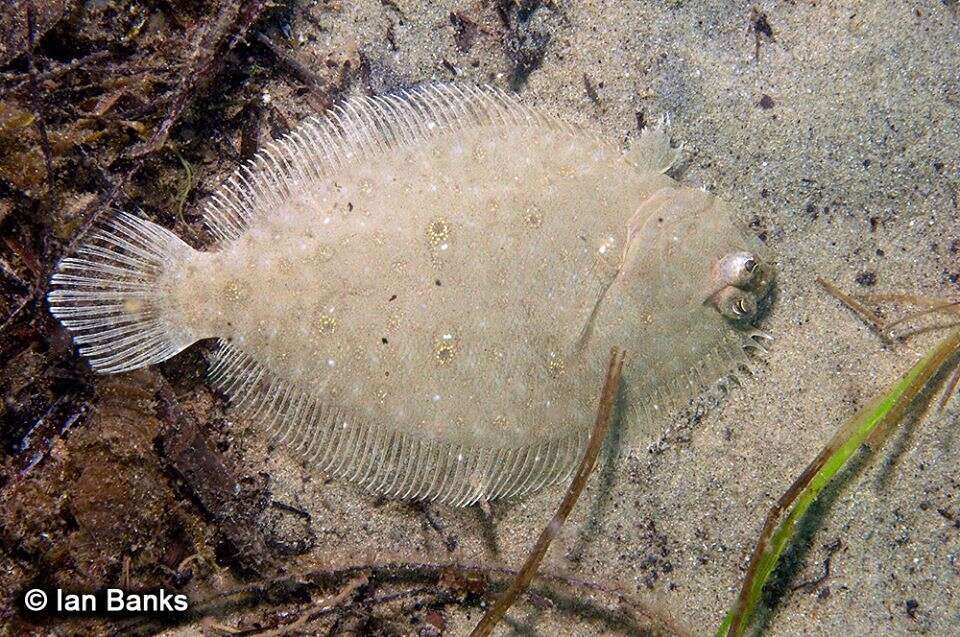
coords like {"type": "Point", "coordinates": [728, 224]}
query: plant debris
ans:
{"type": "Point", "coordinates": [608, 395]}
{"type": "Point", "coordinates": [867, 428]}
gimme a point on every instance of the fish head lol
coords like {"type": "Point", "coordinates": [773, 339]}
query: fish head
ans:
{"type": "Point", "coordinates": [688, 257]}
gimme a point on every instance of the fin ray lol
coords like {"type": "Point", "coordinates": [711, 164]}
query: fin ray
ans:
{"type": "Point", "coordinates": [112, 296]}
{"type": "Point", "coordinates": [383, 460]}
{"type": "Point", "coordinates": [356, 129]}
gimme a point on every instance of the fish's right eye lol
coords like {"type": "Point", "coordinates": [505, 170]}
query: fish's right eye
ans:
{"type": "Point", "coordinates": [737, 269]}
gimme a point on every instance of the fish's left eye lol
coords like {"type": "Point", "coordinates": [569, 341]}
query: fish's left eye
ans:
{"type": "Point", "coordinates": [735, 304]}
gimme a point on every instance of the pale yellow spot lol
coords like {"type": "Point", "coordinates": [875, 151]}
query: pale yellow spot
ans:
{"type": "Point", "coordinates": [555, 367]}
{"type": "Point", "coordinates": [326, 324]}
{"type": "Point", "coordinates": [533, 217]}
{"type": "Point", "coordinates": [444, 352]}
{"type": "Point", "coordinates": [438, 231]}
{"type": "Point", "coordinates": [446, 348]}
{"type": "Point", "coordinates": [235, 291]}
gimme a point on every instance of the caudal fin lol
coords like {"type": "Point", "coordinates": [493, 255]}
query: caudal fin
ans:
{"type": "Point", "coordinates": [113, 295]}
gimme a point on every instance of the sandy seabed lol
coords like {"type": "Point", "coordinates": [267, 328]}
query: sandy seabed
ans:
{"type": "Point", "coordinates": [834, 130]}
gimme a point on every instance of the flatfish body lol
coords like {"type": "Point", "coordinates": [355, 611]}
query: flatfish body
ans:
{"type": "Point", "coordinates": [420, 292]}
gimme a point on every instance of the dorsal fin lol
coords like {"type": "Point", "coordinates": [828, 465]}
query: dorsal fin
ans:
{"type": "Point", "coordinates": [382, 459]}
{"type": "Point", "coordinates": [353, 131]}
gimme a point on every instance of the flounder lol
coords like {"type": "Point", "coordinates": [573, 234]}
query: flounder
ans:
{"type": "Point", "coordinates": [419, 292]}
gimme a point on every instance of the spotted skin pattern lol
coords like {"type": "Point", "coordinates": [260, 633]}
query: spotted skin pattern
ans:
{"type": "Point", "coordinates": [419, 292]}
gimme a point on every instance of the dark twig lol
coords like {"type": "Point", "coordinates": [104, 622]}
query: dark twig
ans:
{"type": "Point", "coordinates": [884, 329]}
{"type": "Point", "coordinates": [35, 95]}
{"type": "Point", "coordinates": [399, 572]}
{"type": "Point", "coordinates": [229, 27]}
{"type": "Point", "coordinates": [27, 300]}
{"type": "Point", "coordinates": [283, 546]}
{"type": "Point", "coordinates": [314, 82]}
{"type": "Point", "coordinates": [591, 90]}
{"type": "Point", "coordinates": [210, 482]}
{"type": "Point", "coordinates": [321, 92]}
{"type": "Point", "coordinates": [951, 388]}
{"type": "Point", "coordinates": [859, 308]}
{"type": "Point", "coordinates": [950, 307]}
{"type": "Point", "coordinates": [322, 608]}
{"type": "Point", "coordinates": [448, 540]}
{"type": "Point", "coordinates": [39, 439]}
{"type": "Point", "coordinates": [57, 71]}
{"type": "Point", "coordinates": [529, 570]}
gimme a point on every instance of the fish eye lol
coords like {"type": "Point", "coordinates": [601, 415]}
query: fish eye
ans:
{"type": "Point", "coordinates": [735, 304]}
{"type": "Point", "coordinates": [737, 269]}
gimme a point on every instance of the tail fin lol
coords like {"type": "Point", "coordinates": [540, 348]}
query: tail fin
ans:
{"type": "Point", "coordinates": [112, 296]}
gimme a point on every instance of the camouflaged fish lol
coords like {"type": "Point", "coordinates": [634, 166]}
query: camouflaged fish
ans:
{"type": "Point", "coordinates": [419, 292]}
